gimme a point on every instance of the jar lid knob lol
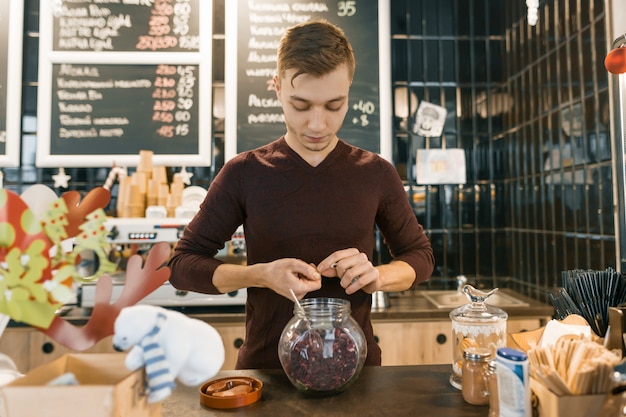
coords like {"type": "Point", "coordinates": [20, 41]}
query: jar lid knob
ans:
{"type": "Point", "coordinates": [475, 295]}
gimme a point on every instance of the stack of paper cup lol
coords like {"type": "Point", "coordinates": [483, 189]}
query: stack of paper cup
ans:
{"type": "Point", "coordinates": [148, 187]}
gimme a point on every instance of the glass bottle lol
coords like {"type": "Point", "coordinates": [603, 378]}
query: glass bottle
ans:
{"type": "Point", "coordinates": [491, 381]}
{"type": "Point", "coordinates": [474, 388]}
{"type": "Point", "coordinates": [322, 349]}
{"type": "Point", "coordinates": [475, 324]}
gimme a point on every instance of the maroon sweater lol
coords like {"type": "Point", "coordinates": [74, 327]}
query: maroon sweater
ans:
{"type": "Point", "coordinates": [290, 209]}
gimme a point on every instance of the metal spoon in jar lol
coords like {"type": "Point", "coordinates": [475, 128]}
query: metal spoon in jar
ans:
{"type": "Point", "coordinates": [295, 299]}
{"type": "Point", "coordinates": [315, 339]}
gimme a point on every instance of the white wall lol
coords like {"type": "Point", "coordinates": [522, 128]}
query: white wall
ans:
{"type": "Point", "coordinates": [617, 16]}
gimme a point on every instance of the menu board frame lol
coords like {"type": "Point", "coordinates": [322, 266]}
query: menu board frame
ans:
{"type": "Point", "coordinates": [201, 151]}
{"type": "Point", "coordinates": [232, 131]}
{"type": "Point", "coordinates": [13, 86]}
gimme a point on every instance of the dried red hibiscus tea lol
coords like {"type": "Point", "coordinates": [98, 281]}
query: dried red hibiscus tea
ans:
{"type": "Point", "coordinates": [321, 361]}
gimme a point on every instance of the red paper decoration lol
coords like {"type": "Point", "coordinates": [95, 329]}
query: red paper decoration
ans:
{"type": "Point", "coordinates": [615, 61]}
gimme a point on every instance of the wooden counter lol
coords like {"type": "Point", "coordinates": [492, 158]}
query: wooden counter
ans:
{"type": "Point", "coordinates": [410, 305]}
{"type": "Point", "coordinates": [410, 331]}
{"type": "Point", "coordinates": [379, 391]}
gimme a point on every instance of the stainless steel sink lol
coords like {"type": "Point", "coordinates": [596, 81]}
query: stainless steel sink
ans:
{"type": "Point", "coordinates": [453, 299]}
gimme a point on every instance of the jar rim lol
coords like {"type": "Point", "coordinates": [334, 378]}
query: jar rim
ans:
{"type": "Point", "coordinates": [321, 306]}
{"type": "Point", "coordinates": [477, 353]}
{"type": "Point", "coordinates": [324, 301]}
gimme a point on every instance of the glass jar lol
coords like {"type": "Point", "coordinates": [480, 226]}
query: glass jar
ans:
{"type": "Point", "coordinates": [475, 324]}
{"type": "Point", "coordinates": [474, 388]}
{"type": "Point", "coordinates": [322, 349]}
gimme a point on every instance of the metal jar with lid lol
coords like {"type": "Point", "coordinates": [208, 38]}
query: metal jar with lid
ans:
{"type": "Point", "coordinates": [474, 383]}
{"type": "Point", "coordinates": [475, 324]}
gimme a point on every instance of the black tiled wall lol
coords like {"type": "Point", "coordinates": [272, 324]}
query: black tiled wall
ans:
{"type": "Point", "coordinates": [538, 197]}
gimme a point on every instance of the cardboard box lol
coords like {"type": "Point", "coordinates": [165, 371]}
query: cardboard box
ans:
{"type": "Point", "coordinates": [107, 389]}
{"type": "Point", "coordinates": [551, 405]}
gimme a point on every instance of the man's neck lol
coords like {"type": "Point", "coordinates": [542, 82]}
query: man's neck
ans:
{"type": "Point", "coordinates": [313, 157]}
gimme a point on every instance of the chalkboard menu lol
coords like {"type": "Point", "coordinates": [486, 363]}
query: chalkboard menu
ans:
{"type": "Point", "coordinates": [120, 77]}
{"type": "Point", "coordinates": [141, 101]}
{"type": "Point", "coordinates": [11, 18]}
{"type": "Point", "coordinates": [257, 113]}
{"type": "Point", "coordinates": [137, 25]}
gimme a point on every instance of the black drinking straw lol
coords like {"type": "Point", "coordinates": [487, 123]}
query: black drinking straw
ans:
{"type": "Point", "coordinates": [593, 292]}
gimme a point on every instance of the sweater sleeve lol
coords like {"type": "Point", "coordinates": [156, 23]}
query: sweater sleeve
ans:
{"type": "Point", "coordinates": [400, 229]}
{"type": "Point", "coordinates": [193, 262]}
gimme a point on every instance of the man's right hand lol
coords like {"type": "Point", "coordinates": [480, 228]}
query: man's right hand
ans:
{"type": "Point", "coordinates": [280, 276]}
{"type": "Point", "coordinates": [283, 275]}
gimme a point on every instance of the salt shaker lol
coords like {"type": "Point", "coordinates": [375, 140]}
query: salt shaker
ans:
{"type": "Point", "coordinates": [491, 380]}
{"type": "Point", "coordinates": [473, 385]}
{"type": "Point", "coordinates": [614, 404]}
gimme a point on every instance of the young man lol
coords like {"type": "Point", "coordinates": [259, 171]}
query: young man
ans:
{"type": "Point", "coordinates": [309, 203]}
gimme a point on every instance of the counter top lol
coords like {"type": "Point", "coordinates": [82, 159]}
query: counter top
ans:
{"type": "Point", "coordinates": [410, 305]}
{"type": "Point", "coordinates": [421, 390]}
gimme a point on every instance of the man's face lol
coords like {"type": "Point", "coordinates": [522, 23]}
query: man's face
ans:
{"type": "Point", "coordinates": [314, 110]}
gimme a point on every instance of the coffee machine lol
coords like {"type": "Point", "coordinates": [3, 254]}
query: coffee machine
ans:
{"type": "Point", "coordinates": [128, 236]}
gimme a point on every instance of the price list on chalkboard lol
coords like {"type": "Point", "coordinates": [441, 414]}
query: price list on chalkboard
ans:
{"type": "Point", "coordinates": [260, 24]}
{"type": "Point", "coordinates": [96, 108]}
{"type": "Point", "coordinates": [123, 77]}
{"type": "Point", "coordinates": [158, 25]}
{"type": "Point", "coordinates": [11, 18]}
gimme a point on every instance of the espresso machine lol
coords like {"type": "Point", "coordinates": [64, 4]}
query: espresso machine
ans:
{"type": "Point", "coordinates": [135, 236]}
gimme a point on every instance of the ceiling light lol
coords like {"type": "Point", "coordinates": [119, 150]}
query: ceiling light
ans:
{"type": "Point", "coordinates": [533, 16]}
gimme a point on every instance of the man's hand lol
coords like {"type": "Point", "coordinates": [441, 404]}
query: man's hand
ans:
{"type": "Point", "coordinates": [353, 268]}
{"type": "Point", "coordinates": [287, 274]}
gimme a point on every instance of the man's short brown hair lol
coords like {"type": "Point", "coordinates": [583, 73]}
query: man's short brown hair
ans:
{"type": "Point", "coordinates": [315, 47]}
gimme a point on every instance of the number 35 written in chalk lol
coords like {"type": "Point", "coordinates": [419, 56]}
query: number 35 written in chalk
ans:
{"type": "Point", "coordinates": [346, 8]}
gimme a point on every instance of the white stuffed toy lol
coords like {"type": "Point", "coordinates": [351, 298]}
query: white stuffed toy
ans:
{"type": "Point", "coordinates": [171, 346]}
